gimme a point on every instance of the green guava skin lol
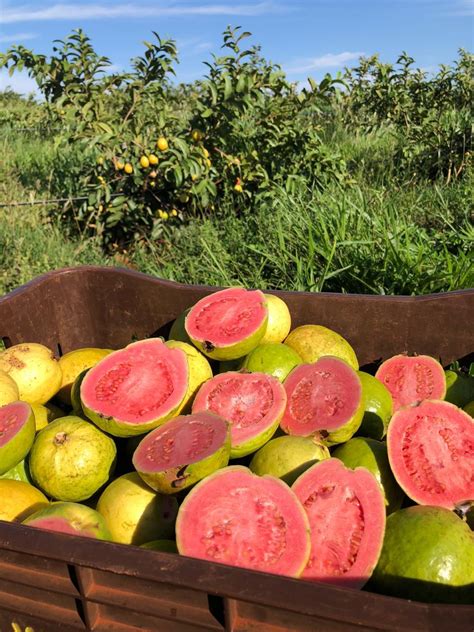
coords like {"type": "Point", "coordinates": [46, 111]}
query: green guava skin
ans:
{"type": "Point", "coordinates": [274, 358]}
{"type": "Point", "coordinates": [287, 457]}
{"type": "Point", "coordinates": [85, 520]}
{"type": "Point", "coordinates": [378, 407]}
{"type": "Point", "coordinates": [20, 444]}
{"type": "Point", "coordinates": [469, 409]}
{"type": "Point", "coordinates": [20, 472]}
{"type": "Point", "coordinates": [76, 393]}
{"type": "Point", "coordinates": [71, 459]}
{"type": "Point", "coordinates": [428, 556]}
{"type": "Point", "coordinates": [166, 546]}
{"type": "Point", "coordinates": [372, 454]}
{"type": "Point", "coordinates": [459, 388]}
{"type": "Point", "coordinates": [347, 431]}
{"type": "Point", "coordinates": [176, 479]}
{"type": "Point", "coordinates": [177, 331]}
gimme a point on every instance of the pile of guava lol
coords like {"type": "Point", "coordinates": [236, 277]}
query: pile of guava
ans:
{"type": "Point", "coordinates": [244, 441]}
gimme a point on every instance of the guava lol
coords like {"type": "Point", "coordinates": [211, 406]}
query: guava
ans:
{"type": "Point", "coordinates": [76, 393]}
{"type": "Point", "coordinates": [8, 389]}
{"type": "Point", "coordinates": [44, 414]}
{"type": "Point", "coordinates": [378, 407]}
{"type": "Point", "coordinates": [273, 358]}
{"type": "Point", "coordinates": [17, 433]}
{"type": "Point", "coordinates": [19, 500]}
{"type": "Point", "coordinates": [469, 408]}
{"type": "Point", "coordinates": [346, 512]}
{"type": "Point", "coordinates": [177, 331]}
{"type": "Point", "coordinates": [427, 555]}
{"type": "Point", "coordinates": [71, 459]}
{"type": "Point", "coordinates": [231, 365]}
{"type": "Point", "coordinates": [279, 320]}
{"type": "Point", "coordinates": [253, 404]}
{"type": "Point", "coordinates": [229, 323]}
{"type": "Point", "coordinates": [135, 389]}
{"type": "Point", "coordinates": [288, 457]}
{"type": "Point", "coordinates": [135, 513]}
{"type": "Point", "coordinates": [183, 451]}
{"type": "Point", "coordinates": [459, 388]}
{"type": "Point", "coordinates": [166, 546]}
{"type": "Point", "coordinates": [34, 369]}
{"type": "Point", "coordinates": [235, 517]}
{"type": "Point", "coordinates": [72, 364]}
{"type": "Point", "coordinates": [20, 472]}
{"type": "Point", "coordinates": [372, 454]}
{"type": "Point", "coordinates": [311, 342]}
{"type": "Point", "coordinates": [324, 399]}
{"type": "Point", "coordinates": [71, 518]}
{"type": "Point", "coordinates": [431, 453]}
{"type": "Point", "coordinates": [411, 379]}
{"type": "Point", "coordinates": [199, 371]}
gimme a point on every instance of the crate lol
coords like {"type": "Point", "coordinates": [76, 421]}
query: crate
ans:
{"type": "Point", "coordinates": [55, 582]}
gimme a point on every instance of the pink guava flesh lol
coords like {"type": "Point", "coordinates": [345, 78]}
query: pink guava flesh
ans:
{"type": "Point", "coordinates": [138, 384]}
{"type": "Point", "coordinates": [323, 395]}
{"type": "Point", "coordinates": [431, 453]}
{"type": "Point", "coordinates": [183, 440]}
{"type": "Point", "coordinates": [235, 517]}
{"type": "Point", "coordinates": [346, 514]}
{"type": "Point", "coordinates": [226, 317]}
{"type": "Point", "coordinates": [251, 402]}
{"type": "Point", "coordinates": [412, 379]}
{"type": "Point", "coordinates": [12, 418]}
{"type": "Point", "coordinates": [62, 525]}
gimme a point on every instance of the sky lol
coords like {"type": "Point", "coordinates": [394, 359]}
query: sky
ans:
{"type": "Point", "coordinates": [308, 38]}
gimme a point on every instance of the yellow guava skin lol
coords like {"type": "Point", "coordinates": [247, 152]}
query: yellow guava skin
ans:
{"type": "Point", "coordinates": [75, 362]}
{"type": "Point", "coordinates": [8, 389]}
{"type": "Point", "coordinates": [311, 342]}
{"type": "Point", "coordinates": [35, 370]}
{"type": "Point", "coordinates": [199, 372]}
{"type": "Point", "coordinates": [19, 500]}
{"type": "Point", "coordinates": [279, 320]}
{"type": "Point", "coordinates": [45, 414]}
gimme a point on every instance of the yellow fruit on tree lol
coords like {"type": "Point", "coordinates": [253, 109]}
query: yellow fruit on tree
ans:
{"type": "Point", "coordinates": [174, 212]}
{"type": "Point", "coordinates": [162, 143]}
{"type": "Point", "coordinates": [196, 135]}
{"type": "Point", "coordinates": [128, 168]}
{"type": "Point", "coordinates": [165, 215]}
{"type": "Point", "coordinates": [144, 162]}
{"type": "Point", "coordinates": [205, 152]}
{"type": "Point", "coordinates": [208, 163]}
{"type": "Point", "coordinates": [238, 188]}
{"type": "Point", "coordinates": [119, 165]}
{"type": "Point", "coordinates": [153, 159]}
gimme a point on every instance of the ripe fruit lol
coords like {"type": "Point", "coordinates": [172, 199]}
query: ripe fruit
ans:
{"type": "Point", "coordinates": [128, 168]}
{"type": "Point", "coordinates": [20, 472]}
{"type": "Point", "coordinates": [412, 379]}
{"type": "Point", "coordinates": [427, 555]}
{"type": "Point", "coordinates": [430, 449]}
{"type": "Point", "coordinates": [228, 324]}
{"type": "Point", "coordinates": [136, 514]}
{"type": "Point", "coordinates": [378, 407]}
{"type": "Point", "coordinates": [183, 451]}
{"type": "Point", "coordinates": [238, 188]}
{"type": "Point", "coordinates": [279, 320]}
{"type": "Point", "coordinates": [34, 369]}
{"type": "Point", "coordinates": [178, 331]}
{"type": "Point", "coordinates": [71, 459]}
{"type": "Point", "coordinates": [253, 404]}
{"type": "Point", "coordinates": [199, 371]}
{"type": "Point", "coordinates": [272, 358]}
{"type": "Point", "coordinates": [459, 388]}
{"type": "Point", "coordinates": [17, 433]}
{"type": "Point", "coordinates": [8, 389]}
{"type": "Point", "coordinates": [19, 500]}
{"type": "Point", "coordinates": [119, 165]}
{"type": "Point", "coordinates": [324, 399]}
{"type": "Point", "coordinates": [235, 517]}
{"type": "Point", "coordinates": [196, 135]}
{"type": "Point", "coordinates": [144, 162]}
{"type": "Point", "coordinates": [162, 143]}
{"type": "Point", "coordinates": [72, 518]}
{"type": "Point", "coordinates": [44, 414]}
{"type": "Point", "coordinates": [313, 341]}
{"type": "Point", "coordinates": [75, 362]}
{"type": "Point", "coordinates": [135, 389]}
{"type": "Point", "coordinates": [153, 159]}
{"type": "Point", "coordinates": [347, 518]}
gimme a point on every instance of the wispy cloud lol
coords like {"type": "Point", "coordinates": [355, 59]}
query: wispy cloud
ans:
{"type": "Point", "coordinates": [75, 11]}
{"type": "Point", "coordinates": [193, 45]}
{"type": "Point", "coordinates": [17, 37]}
{"type": "Point", "coordinates": [329, 60]}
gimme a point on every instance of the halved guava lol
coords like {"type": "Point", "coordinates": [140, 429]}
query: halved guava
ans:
{"type": "Point", "coordinates": [228, 324]}
{"type": "Point", "coordinates": [72, 364]}
{"type": "Point", "coordinates": [238, 518]}
{"type": "Point", "coordinates": [273, 358]}
{"type": "Point", "coordinates": [288, 457]}
{"type": "Point", "coordinates": [431, 453]}
{"type": "Point", "coordinates": [324, 399]}
{"type": "Point", "coordinates": [72, 518]}
{"type": "Point", "coordinates": [372, 454]}
{"type": "Point", "coordinates": [17, 433]}
{"type": "Point", "coordinates": [427, 555]}
{"type": "Point", "coordinates": [135, 389]}
{"type": "Point", "coordinates": [411, 379]}
{"type": "Point", "coordinates": [253, 404]}
{"type": "Point", "coordinates": [378, 407]}
{"type": "Point", "coordinates": [183, 451]}
{"type": "Point", "coordinates": [346, 512]}
{"type": "Point", "coordinates": [311, 342]}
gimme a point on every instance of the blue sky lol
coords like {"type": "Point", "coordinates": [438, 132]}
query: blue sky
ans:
{"type": "Point", "coordinates": [306, 37]}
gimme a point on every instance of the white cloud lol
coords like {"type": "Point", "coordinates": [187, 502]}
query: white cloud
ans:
{"type": "Point", "coordinates": [17, 37]}
{"type": "Point", "coordinates": [76, 11]}
{"type": "Point", "coordinates": [329, 60]}
{"type": "Point", "coordinates": [18, 82]}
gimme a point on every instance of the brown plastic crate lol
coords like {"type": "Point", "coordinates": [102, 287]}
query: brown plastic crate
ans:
{"type": "Point", "coordinates": [54, 582]}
